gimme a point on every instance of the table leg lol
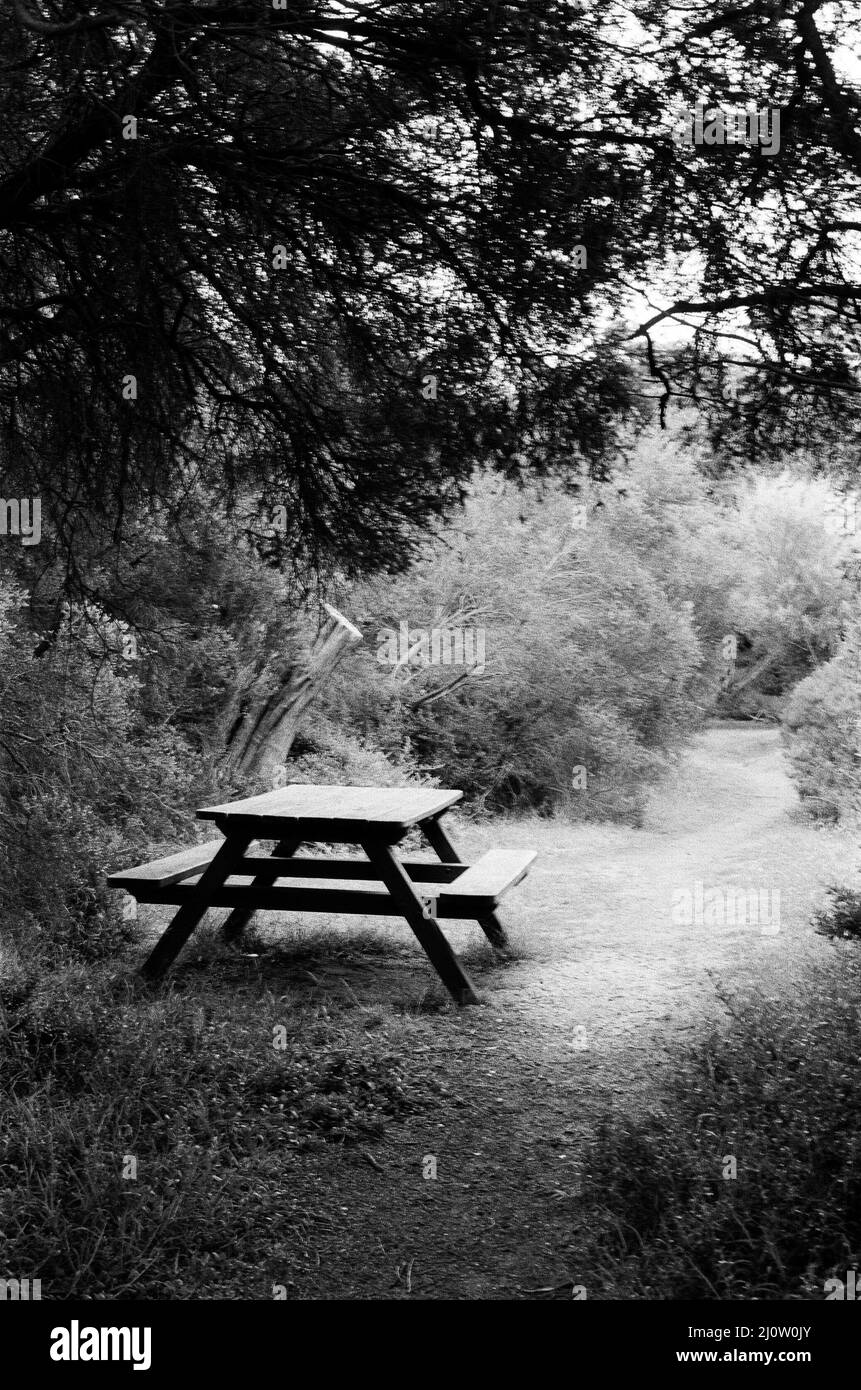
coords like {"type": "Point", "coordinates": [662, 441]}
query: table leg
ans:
{"type": "Point", "coordinates": [427, 929]}
{"type": "Point", "coordinates": [267, 876]}
{"type": "Point", "coordinates": [438, 840]}
{"type": "Point", "coordinates": [214, 876]}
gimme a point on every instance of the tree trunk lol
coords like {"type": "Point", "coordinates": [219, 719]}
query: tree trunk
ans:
{"type": "Point", "coordinates": [735, 687]}
{"type": "Point", "coordinates": [267, 713]}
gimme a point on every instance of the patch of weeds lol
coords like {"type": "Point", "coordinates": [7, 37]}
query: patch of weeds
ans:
{"type": "Point", "coordinates": [339, 1098]}
{"type": "Point", "coordinates": [432, 1000]}
{"type": "Point", "coordinates": [842, 919]}
{"type": "Point", "coordinates": [187, 1084]}
{"type": "Point", "coordinates": [746, 1183]}
{"type": "Point", "coordinates": [53, 1030]}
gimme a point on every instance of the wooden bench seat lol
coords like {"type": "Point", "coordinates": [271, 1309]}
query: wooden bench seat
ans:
{"type": "Point", "coordinates": [484, 883]}
{"type": "Point", "coordinates": [174, 868]}
{"type": "Point", "coordinates": [457, 890]}
{"type": "Point", "coordinates": [449, 890]}
{"type": "Point", "coordinates": [187, 865]}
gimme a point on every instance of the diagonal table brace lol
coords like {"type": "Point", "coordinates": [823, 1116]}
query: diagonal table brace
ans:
{"type": "Point", "coordinates": [214, 876]}
{"type": "Point", "coordinates": [265, 877]}
{"type": "Point", "coordinates": [426, 928]}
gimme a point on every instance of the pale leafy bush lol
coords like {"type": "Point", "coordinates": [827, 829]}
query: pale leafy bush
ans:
{"type": "Point", "coordinates": [330, 755]}
{"type": "Point", "coordinates": [788, 600]}
{"type": "Point", "coordinates": [822, 733]}
{"type": "Point", "coordinates": [592, 658]}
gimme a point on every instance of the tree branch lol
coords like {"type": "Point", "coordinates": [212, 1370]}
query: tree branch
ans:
{"type": "Point", "coordinates": [51, 169]}
{"type": "Point", "coordinates": [438, 694]}
{"type": "Point", "coordinates": [37, 25]}
{"type": "Point", "coordinates": [774, 294]}
{"type": "Point", "coordinates": [844, 111]}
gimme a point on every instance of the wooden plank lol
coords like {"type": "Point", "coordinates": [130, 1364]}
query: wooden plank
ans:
{"type": "Point", "coordinates": [357, 806]}
{"type": "Point", "coordinates": [344, 832]}
{"type": "Point", "coordinates": [462, 890]}
{"type": "Point", "coordinates": [355, 869]}
{"type": "Point", "coordinates": [426, 928]}
{"type": "Point", "coordinates": [186, 863]}
{"type": "Point", "coordinates": [265, 876]}
{"type": "Point", "coordinates": [493, 874]}
{"type": "Point", "coordinates": [241, 891]}
{"type": "Point", "coordinates": [201, 897]}
{"type": "Point", "coordinates": [437, 837]}
{"type": "Point", "coordinates": [348, 870]}
{"type": "Point", "coordinates": [172, 869]}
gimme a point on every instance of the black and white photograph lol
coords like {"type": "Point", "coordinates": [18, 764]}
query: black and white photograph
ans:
{"type": "Point", "coordinates": [430, 669]}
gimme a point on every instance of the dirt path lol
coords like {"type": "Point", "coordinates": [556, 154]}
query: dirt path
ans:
{"type": "Point", "coordinates": [575, 1026]}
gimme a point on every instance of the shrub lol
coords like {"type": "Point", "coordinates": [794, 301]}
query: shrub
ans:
{"type": "Point", "coordinates": [822, 734]}
{"type": "Point", "coordinates": [843, 918]}
{"type": "Point", "coordinates": [88, 782]}
{"type": "Point", "coordinates": [663, 1214]}
{"type": "Point", "coordinates": [326, 753]}
{"type": "Point", "coordinates": [592, 658]}
{"type": "Point", "coordinates": [787, 601]}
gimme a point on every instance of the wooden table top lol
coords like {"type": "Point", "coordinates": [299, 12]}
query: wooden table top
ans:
{"type": "Point", "coordinates": [386, 807]}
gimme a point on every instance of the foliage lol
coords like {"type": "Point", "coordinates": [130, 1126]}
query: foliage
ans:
{"type": "Point", "coordinates": [191, 1087]}
{"type": "Point", "coordinates": [822, 733]}
{"type": "Point", "coordinates": [328, 754]}
{"type": "Point", "coordinates": [842, 918]}
{"type": "Point", "coordinates": [680, 525]}
{"type": "Point", "coordinates": [86, 781]}
{"type": "Point", "coordinates": [792, 586]}
{"type": "Point", "coordinates": [604, 610]}
{"type": "Point", "coordinates": [660, 1217]}
{"type": "Point", "coordinates": [429, 173]}
{"type": "Point", "coordinates": [303, 227]}
{"type": "Point", "coordinates": [592, 659]}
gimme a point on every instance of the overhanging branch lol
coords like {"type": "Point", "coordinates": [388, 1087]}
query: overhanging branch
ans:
{"type": "Point", "coordinates": [47, 29]}
{"type": "Point", "coordinates": [774, 294]}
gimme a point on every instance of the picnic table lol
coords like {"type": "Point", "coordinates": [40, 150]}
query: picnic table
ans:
{"type": "Point", "coordinates": [223, 872]}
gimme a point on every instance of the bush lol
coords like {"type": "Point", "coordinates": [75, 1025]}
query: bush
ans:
{"type": "Point", "coordinates": [327, 754]}
{"type": "Point", "coordinates": [661, 1215]}
{"type": "Point", "coordinates": [786, 608]}
{"type": "Point", "coordinates": [592, 679]}
{"type": "Point", "coordinates": [822, 735]}
{"type": "Point", "coordinates": [843, 918]}
{"type": "Point", "coordinates": [88, 783]}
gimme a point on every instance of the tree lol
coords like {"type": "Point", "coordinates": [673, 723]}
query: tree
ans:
{"type": "Point", "coordinates": [325, 261]}
{"type": "Point", "coordinates": [290, 254]}
{"type": "Point", "coordinates": [764, 302]}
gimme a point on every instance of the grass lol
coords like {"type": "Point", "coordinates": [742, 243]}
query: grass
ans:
{"type": "Point", "coordinates": [163, 1145]}
{"type": "Point", "coordinates": [194, 1141]}
{"type": "Point", "coordinates": [171, 1145]}
{"type": "Point", "coordinates": [661, 1214]}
